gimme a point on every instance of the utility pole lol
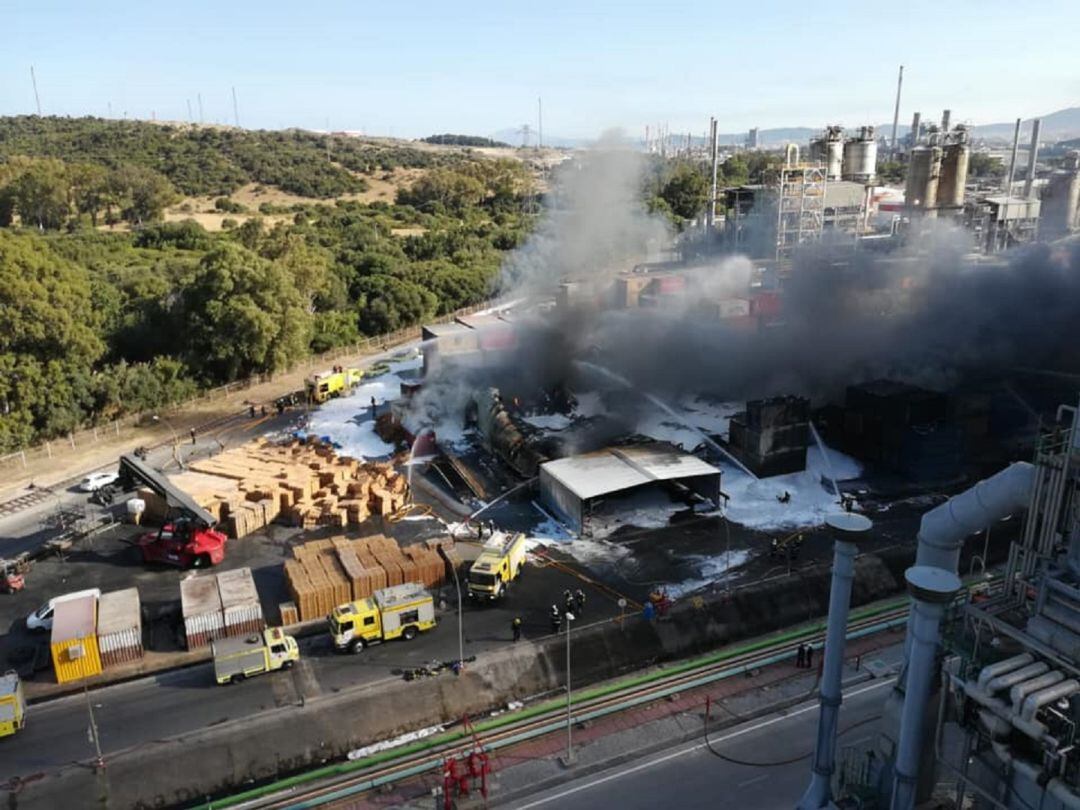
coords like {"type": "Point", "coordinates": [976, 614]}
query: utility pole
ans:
{"type": "Point", "coordinates": [199, 96]}
{"type": "Point", "coordinates": [37, 98]}
{"type": "Point", "coordinates": [896, 112]}
{"type": "Point", "coordinates": [235, 109]}
{"type": "Point", "coordinates": [568, 759]}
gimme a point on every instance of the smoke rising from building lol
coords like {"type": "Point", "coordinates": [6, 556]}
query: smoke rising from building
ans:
{"type": "Point", "coordinates": [594, 225]}
{"type": "Point", "coordinates": [925, 315]}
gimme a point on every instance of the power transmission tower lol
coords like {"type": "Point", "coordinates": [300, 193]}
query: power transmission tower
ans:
{"type": "Point", "coordinates": [235, 109]}
{"type": "Point", "coordinates": [525, 130]}
{"type": "Point", "coordinates": [37, 98]}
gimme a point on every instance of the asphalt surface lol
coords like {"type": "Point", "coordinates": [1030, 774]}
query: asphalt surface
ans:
{"type": "Point", "coordinates": [691, 777]}
{"type": "Point", "coordinates": [37, 515]}
{"type": "Point", "coordinates": [181, 701]}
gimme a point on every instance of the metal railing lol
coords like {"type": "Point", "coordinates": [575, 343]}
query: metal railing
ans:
{"type": "Point", "coordinates": [129, 424]}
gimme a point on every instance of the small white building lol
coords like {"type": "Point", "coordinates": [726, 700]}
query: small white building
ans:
{"type": "Point", "coordinates": [569, 486]}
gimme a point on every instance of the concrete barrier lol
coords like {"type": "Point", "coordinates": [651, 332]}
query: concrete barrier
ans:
{"type": "Point", "coordinates": [236, 755]}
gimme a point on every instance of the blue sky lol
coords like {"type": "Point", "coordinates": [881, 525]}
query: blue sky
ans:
{"type": "Point", "coordinates": [413, 69]}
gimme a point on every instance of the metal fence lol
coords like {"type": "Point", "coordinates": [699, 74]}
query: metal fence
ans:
{"type": "Point", "coordinates": [130, 424]}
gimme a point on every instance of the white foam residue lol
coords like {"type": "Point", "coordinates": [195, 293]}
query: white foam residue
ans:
{"type": "Point", "coordinates": [347, 420]}
{"type": "Point", "coordinates": [756, 504]}
{"type": "Point", "coordinates": [711, 569]}
{"type": "Point", "coordinates": [550, 421]}
{"type": "Point", "coordinates": [385, 745]}
{"type": "Point", "coordinates": [710, 417]}
{"type": "Point", "coordinates": [693, 416]}
{"type": "Point", "coordinates": [659, 426]}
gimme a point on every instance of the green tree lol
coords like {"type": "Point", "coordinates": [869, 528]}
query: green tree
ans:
{"type": "Point", "coordinates": [145, 194]}
{"type": "Point", "coordinates": [443, 189]}
{"type": "Point", "coordinates": [242, 315]}
{"type": "Point", "coordinates": [686, 191]}
{"type": "Point", "coordinates": [385, 303]}
{"type": "Point", "coordinates": [983, 165]}
{"type": "Point", "coordinates": [41, 194]}
{"type": "Point", "coordinates": [333, 329]}
{"type": "Point", "coordinates": [89, 189]}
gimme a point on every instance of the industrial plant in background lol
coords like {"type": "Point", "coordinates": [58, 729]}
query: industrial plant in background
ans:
{"type": "Point", "coordinates": [836, 196]}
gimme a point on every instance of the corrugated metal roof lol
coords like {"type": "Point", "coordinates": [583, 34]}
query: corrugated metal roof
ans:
{"type": "Point", "coordinates": [119, 610]}
{"type": "Point", "coordinates": [74, 618]}
{"type": "Point", "coordinates": [199, 595]}
{"type": "Point", "coordinates": [237, 587]}
{"type": "Point", "coordinates": [614, 469]}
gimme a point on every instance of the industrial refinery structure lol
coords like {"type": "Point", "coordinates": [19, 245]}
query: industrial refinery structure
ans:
{"type": "Point", "coordinates": [833, 192]}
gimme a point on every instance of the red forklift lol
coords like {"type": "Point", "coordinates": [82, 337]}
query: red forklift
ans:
{"type": "Point", "coordinates": [188, 539]}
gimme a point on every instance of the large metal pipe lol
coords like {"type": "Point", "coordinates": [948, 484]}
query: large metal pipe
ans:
{"type": "Point", "coordinates": [1012, 160]}
{"type": "Point", "coordinates": [1033, 155]}
{"type": "Point", "coordinates": [931, 589]}
{"type": "Point", "coordinates": [847, 529]}
{"type": "Point", "coordinates": [945, 527]}
{"type": "Point", "coordinates": [941, 535]}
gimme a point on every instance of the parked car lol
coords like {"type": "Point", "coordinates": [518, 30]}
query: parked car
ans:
{"type": "Point", "coordinates": [42, 618]}
{"type": "Point", "coordinates": [95, 481]}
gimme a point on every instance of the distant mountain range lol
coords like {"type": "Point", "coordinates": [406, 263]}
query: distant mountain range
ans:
{"type": "Point", "coordinates": [1055, 126]}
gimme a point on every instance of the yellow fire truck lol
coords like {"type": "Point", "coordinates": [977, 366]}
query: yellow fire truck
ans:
{"type": "Point", "coordinates": [334, 383]}
{"type": "Point", "coordinates": [12, 704]}
{"type": "Point", "coordinates": [500, 563]}
{"type": "Point", "coordinates": [400, 611]}
{"type": "Point", "coordinates": [241, 657]}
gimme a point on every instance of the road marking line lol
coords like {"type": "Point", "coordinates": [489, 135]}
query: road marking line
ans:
{"type": "Point", "coordinates": [691, 749]}
{"type": "Point", "coordinates": [753, 781]}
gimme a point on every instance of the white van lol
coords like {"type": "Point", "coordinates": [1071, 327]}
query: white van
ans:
{"type": "Point", "coordinates": [41, 619]}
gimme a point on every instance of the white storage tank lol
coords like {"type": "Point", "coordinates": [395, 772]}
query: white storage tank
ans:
{"type": "Point", "coordinates": [829, 149]}
{"type": "Point", "coordinates": [860, 156]}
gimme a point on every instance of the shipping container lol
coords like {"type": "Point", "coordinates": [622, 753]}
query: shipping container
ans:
{"type": "Point", "coordinates": [240, 606]}
{"type": "Point", "coordinates": [667, 285]}
{"type": "Point", "coordinates": [119, 627]}
{"type": "Point", "coordinates": [200, 604]}
{"type": "Point", "coordinates": [74, 639]}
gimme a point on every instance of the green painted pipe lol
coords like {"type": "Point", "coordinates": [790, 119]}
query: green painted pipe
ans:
{"type": "Point", "coordinates": [495, 723]}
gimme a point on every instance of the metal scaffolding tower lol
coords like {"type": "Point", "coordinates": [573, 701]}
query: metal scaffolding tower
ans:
{"type": "Point", "coordinates": [800, 208]}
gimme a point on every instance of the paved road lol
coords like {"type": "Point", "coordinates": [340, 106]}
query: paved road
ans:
{"type": "Point", "coordinates": [182, 701]}
{"type": "Point", "coordinates": [37, 515]}
{"type": "Point", "coordinates": [690, 777]}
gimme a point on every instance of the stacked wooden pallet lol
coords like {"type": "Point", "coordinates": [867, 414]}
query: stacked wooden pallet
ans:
{"type": "Point", "coordinates": [304, 484]}
{"type": "Point", "coordinates": [329, 572]}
